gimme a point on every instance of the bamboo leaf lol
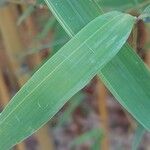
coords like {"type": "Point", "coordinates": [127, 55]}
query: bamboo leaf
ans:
{"type": "Point", "coordinates": [147, 10]}
{"type": "Point", "coordinates": [60, 35]}
{"type": "Point", "coordinates": [128, 84]}
{"type": "Point", "coordinates": [74, 103]}
{"type": "Point", "coordinates": [26, 14]}
{"type": "Point", "coordinates": [40, 2]}
{"type": "Point", "coordinates": [47, 27]}
{"type": "Point", "coordinates": [138, 137]}
{"type": "Point", "coordinates": [145, 16]}
{"type": "Point", "coordinates": [119, 5]}
{"type": "Point", "coordinates": [94, 134]}
{"type": "Point", "coordinates": [68, 12]}
{"type": "Point", "coordinates": [130, 73]}
{"type": "Point", "coordinates": [63, 75]}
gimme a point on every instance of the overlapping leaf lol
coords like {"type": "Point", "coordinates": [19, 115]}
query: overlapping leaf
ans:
{"type": "Point", "coordinates": [118, 4]}
{"type": "Point", "coordinates": [145, 16]}
{"type": "Point", "coordinates": [63, 75]}
{"type": "Point", "coordinates": [126, 75]}
{"type": "Point", "coordinates": [139, 133]}
{"type": "Point", "coordinates": [28, 11]}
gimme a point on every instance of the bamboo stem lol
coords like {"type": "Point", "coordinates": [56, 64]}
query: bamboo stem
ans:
{"type": "Point", "coordinates": [20, 146]}
{"type": "Point", "coordinates": [4, 94]}
{"type": "Point", "coordinates": [102, 96]}
{"type": "Point", "coordinates": [44, 138]}
{"type": "Point", "coordinates": [8, 25]}
{"type": "Point", "coordinates": [12, 41]}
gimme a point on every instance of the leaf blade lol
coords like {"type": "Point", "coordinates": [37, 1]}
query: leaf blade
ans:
{"type": "Point", "coordinates": [106, 76]}
{"type": "Point", "coordinates": [137, 86]}
{"type": "Point", "coordinates": [63, 75]}
{"type": "Point", "coordinates": [139, 133]}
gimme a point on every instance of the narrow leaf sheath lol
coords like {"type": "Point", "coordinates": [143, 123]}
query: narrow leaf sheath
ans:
{"type": "Point", "coordinates": [63, 75]}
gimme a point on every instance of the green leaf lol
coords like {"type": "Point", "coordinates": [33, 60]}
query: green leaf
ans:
{"type": "Point", "coordinates": [145, 16]}
{"type": "Point", "coordinates": [47, 27]}
{"type": "Point", "coordinates": [126, 76]}
{"type": "Point", "coordinates": [56, 44]}
{"type": "Point", "coordinates": [118, 4]}
{"type": "Point", "coordinates": [60, 37]}
{"type": "Point", "coordinates": [128, 84]}
{"type": "Point", "coordinates": [63, 75]}
{"type": "Point", "coordinates": [94, 135]}
{"type": "Point", "coordinates": [40, 2]}
{"type": "Point", "coordinates": [69, 13]}
{"type": "Point", "coordinates": [97, 144]}
{"type": "Point", "coordinates": [74, 102]}
{"type": "Point", "coordinates": [138, 137]}
{"type": "Point", "coordinates": [147, 10]}
{"type": "Point", "coordinates": [26, 14]}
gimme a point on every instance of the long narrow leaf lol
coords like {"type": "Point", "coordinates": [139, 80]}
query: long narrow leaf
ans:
{"type": "Point", "coordinates": [63, 75]}
{"type": "Point", "coordinates": [74, 103]}
{"type": "Point", "coordinates": [130, 85]}
{"type": "Point", "coordinates": [128, 82]}
{"type": "Point", "coordinates": [138, 137]}
{"type": "Point", "coordinates": [94, 135]}
{"type": "Point", "coordinates": [29, 10]}
{"type": "Point", "coordinates": [74, 15]}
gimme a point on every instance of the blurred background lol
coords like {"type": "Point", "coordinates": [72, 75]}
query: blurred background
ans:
{"type": "Point", "coordinates": [92, 119]}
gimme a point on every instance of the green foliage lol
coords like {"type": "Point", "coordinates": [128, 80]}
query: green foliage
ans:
{"type": "Point", "coordinates": [128, 71]}
{"type": "Point", "coordinates": [119, 4]}
{"type": "Point", "coordinates": [119, 71]}
{"type": "Point", "coordinates": [123, 73]}
{"type": "Point", "coordinates": [68, 71]}
{"type": "Point", "coordinates": [49, 25]}
{"type": "Point", "coordinates": [138, 137]}
{"type": "Point", "coordinates": [26, 14]}
{"type": "Point", "coordinates": [93, 49]}
{"type": "Point", "coordinates": [74, 102]}
{"type": "Point", "coordinates": [92, 135]}
{"type": "Point", "coordinates": [147, 10]}
{"type": "Point", "coordinates": [60, 38]}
